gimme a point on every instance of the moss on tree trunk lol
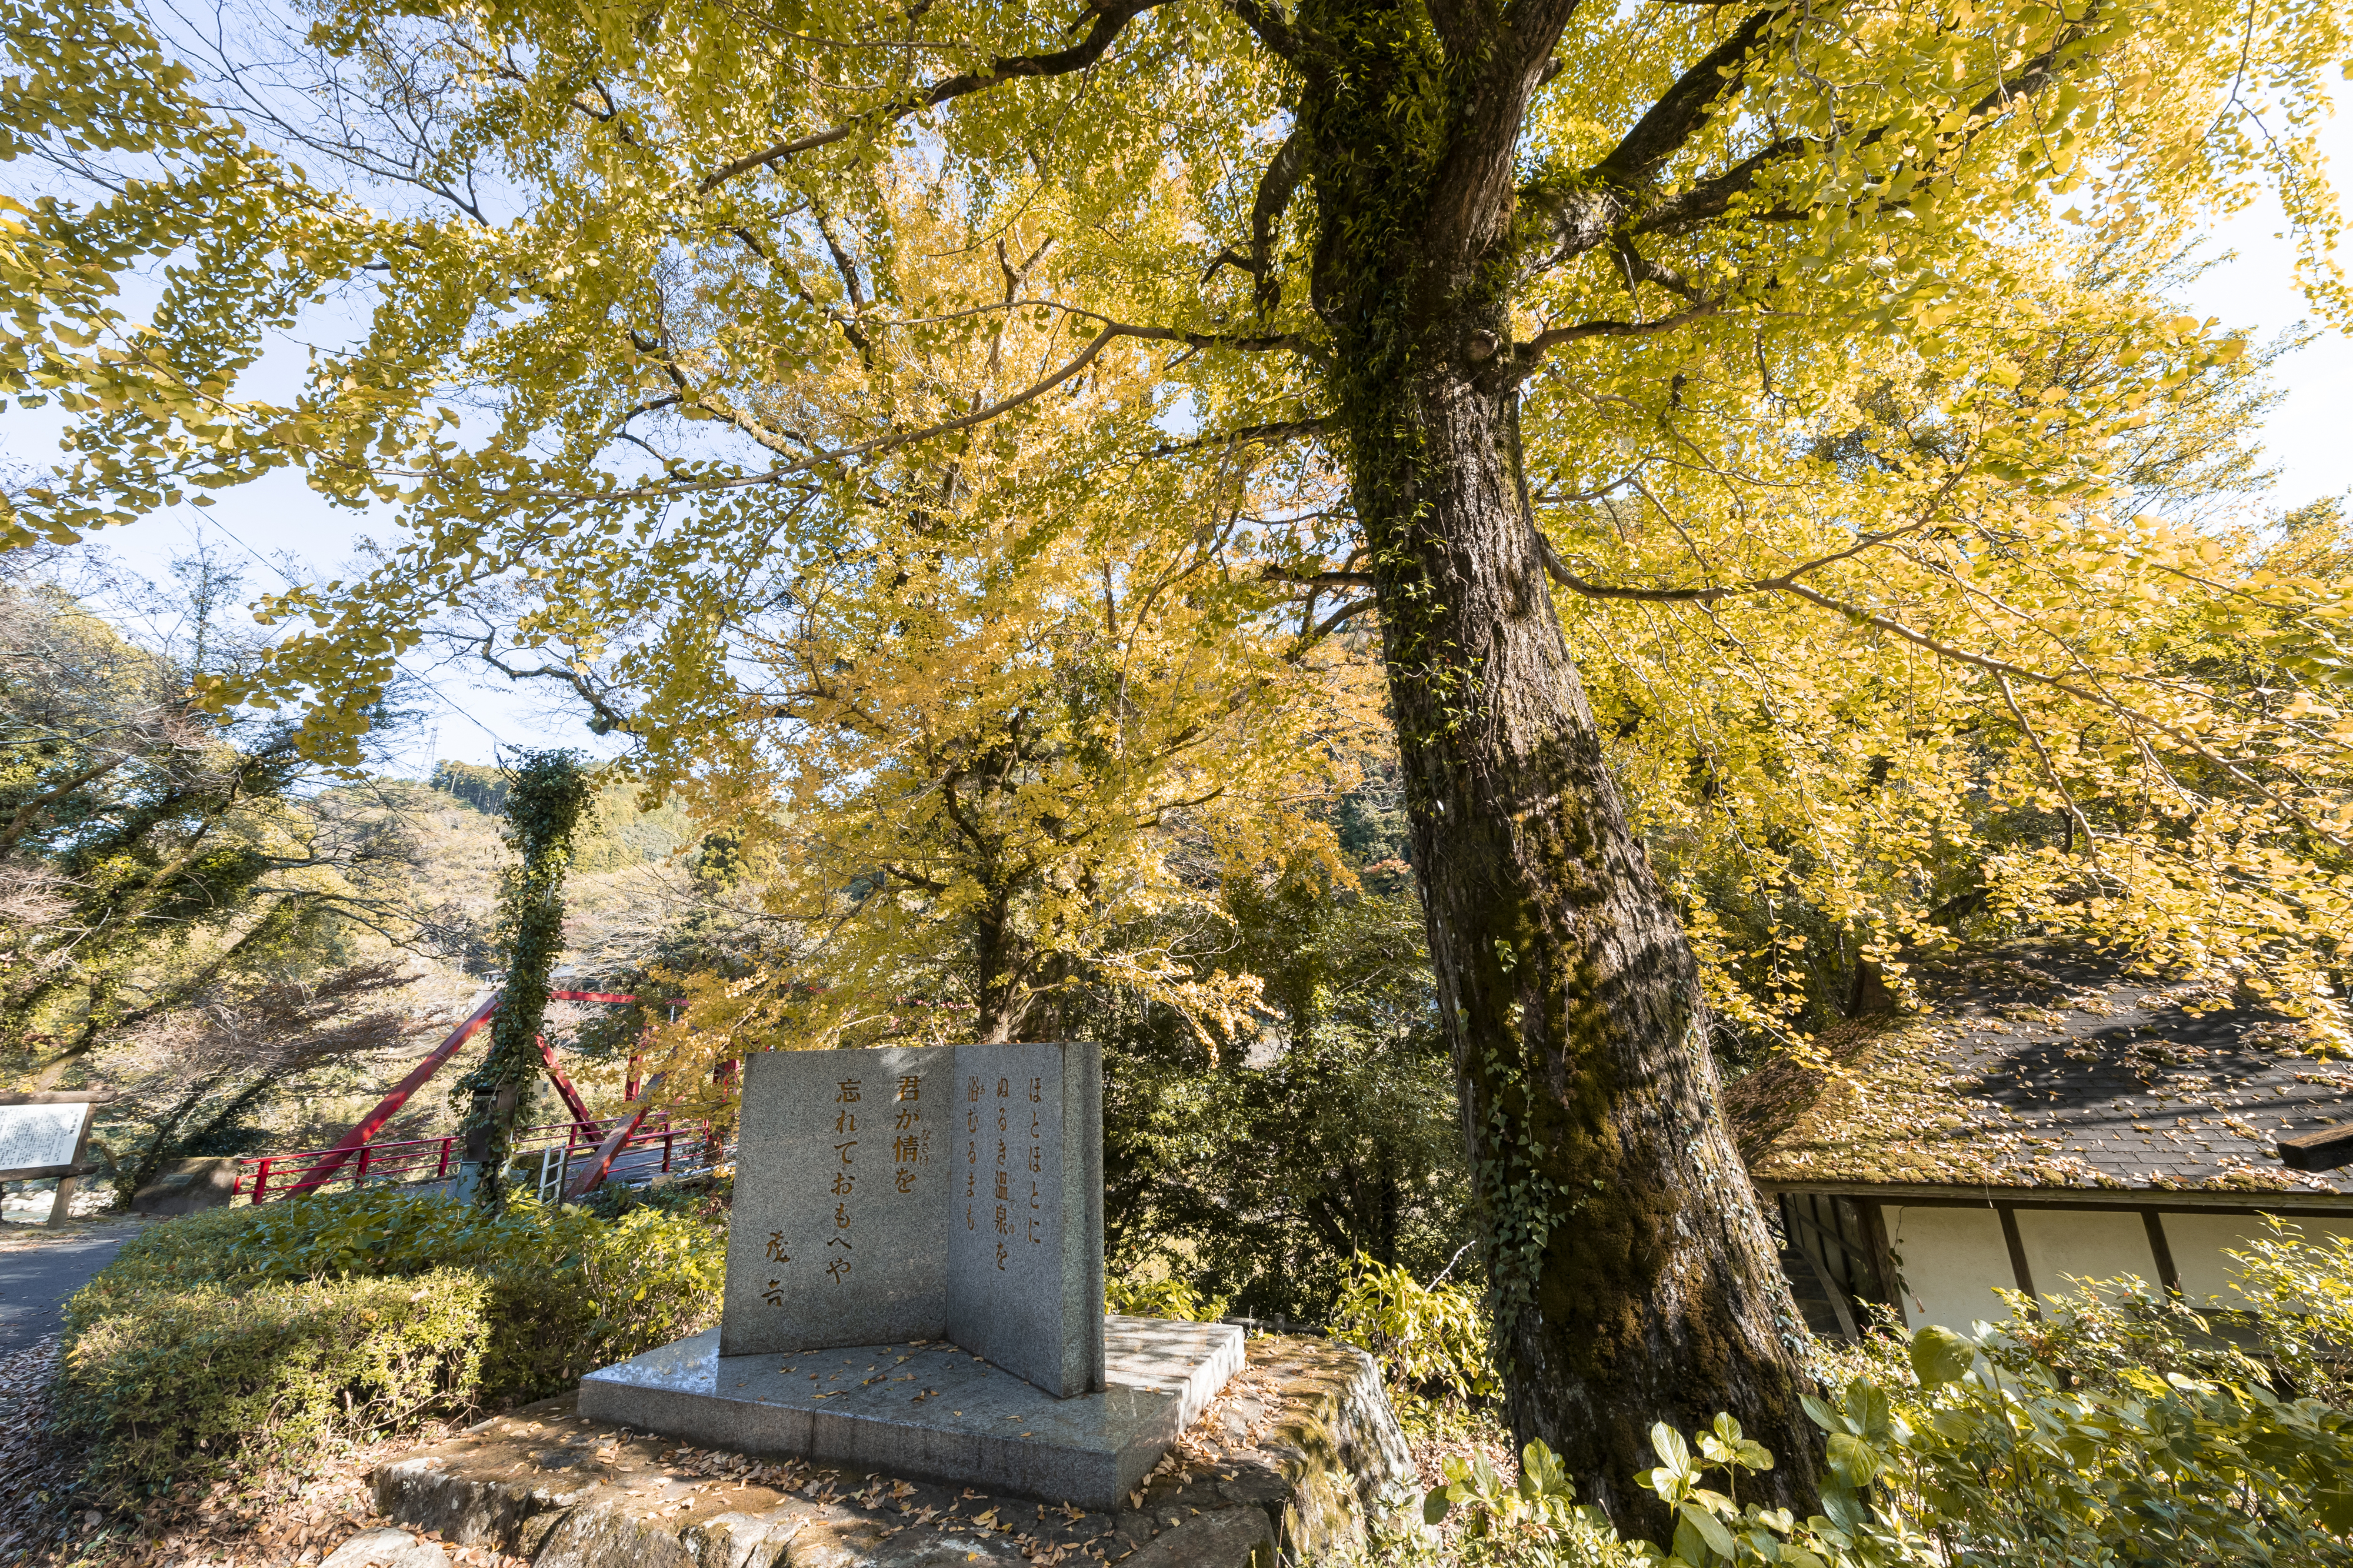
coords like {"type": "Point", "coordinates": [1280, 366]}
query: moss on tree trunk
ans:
{"type": "Point", "coordinates": [1634, 1282]}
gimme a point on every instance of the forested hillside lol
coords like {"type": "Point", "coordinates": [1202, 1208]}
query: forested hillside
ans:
{"type": "Point", "coordinates": [247, 946]}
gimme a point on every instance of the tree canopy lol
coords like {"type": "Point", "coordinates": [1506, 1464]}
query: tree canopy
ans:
{"type": "Point", "coordinates": [1758, 332]}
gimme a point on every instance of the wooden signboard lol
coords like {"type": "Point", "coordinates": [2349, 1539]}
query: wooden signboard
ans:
{"type": "Point", "coordinates": [49, 1135]}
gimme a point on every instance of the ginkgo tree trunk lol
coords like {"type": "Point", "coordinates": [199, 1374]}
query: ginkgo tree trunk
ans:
{"type": "Point", "coordinates": [646, 288]}
{"type": "Point", "coordinates": [1633, 1276]}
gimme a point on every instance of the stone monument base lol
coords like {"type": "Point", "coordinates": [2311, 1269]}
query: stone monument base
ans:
{"type": "Point", "coordinates": [932, 1410]}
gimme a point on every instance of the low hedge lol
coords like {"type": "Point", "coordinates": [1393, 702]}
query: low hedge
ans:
{"type": "Point", "coordinates": [550, 1293]}
{"type": "Point", "coordinates": [180, 1378]}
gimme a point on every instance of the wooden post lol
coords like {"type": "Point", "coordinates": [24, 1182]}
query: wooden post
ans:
{"type": "Point", "coordinates": [59, 1212]}
{"type": "Point", "coordinates": [2017, 1245]}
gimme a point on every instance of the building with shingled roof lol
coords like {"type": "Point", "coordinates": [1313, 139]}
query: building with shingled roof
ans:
{"type": "Point", "coordinates": [2048, 1114]}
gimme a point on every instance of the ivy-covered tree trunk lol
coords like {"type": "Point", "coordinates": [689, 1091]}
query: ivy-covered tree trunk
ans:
{"type": "Point", "coordinates": [543, 809]}
{"type": "Point", "coordinates": [1634, 1278]}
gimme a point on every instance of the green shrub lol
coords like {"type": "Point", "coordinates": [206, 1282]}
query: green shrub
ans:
{"type": "Point", "coordinates": [1172, 1298]}
{"type": "Point", "coordinates": [1430, 1339]}
{"type": "Point", "coordinates": [2300, 1294]}
{"type": "Point", "coordinates": [707, 1197]}
{"type": "Point", "coordinates": [569, 1292]}
{"type": "Point", "coordinates": [2107, 1329]}
{"type": "Point", "coordinates": [566, 1292]}
{"type": "Point", "coordinates": [1972, 1466]}
{"type": "Point", "coordinates": [1996, 1468]}
{"type": "Point", "coordinates": [178, 1381]}
{"type": "Point", "coordinates": [260, 1335]}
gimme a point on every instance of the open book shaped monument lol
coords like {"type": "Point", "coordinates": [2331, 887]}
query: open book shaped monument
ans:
{"type": "Point", "coordinates": [915, 1284]}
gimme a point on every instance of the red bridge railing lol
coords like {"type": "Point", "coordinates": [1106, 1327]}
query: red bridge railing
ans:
{"type": "Point", "coordinates": [436, 1159]}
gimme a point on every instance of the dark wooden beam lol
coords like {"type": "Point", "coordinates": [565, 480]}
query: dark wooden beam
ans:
{"type": "Point", "coordinates": [2162, 1250]}
{"type": "Point", "coordinates": [2322, 1149]}
{"type": "Point", "coordinates": [2016, 1245]}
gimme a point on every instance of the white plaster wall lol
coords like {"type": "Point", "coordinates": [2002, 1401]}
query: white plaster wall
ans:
{"type": "Point", "coordinates": [1950, 1259]}
{"type": "Point", "coordinates": [2090, 1244]}
{"type": "Point", "coordinates": [2199, 1240]}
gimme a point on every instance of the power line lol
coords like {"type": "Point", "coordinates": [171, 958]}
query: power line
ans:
{"type": "Point", "coordinates": [438, 695]}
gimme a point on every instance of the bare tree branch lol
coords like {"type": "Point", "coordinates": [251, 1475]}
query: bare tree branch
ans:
{"type": "Point", "coordinates": [1110, 20]}
{"type": "Point", "coordinates": [2186, 740]}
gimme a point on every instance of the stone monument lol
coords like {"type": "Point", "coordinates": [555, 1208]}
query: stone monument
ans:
{"type": "Point", "coordinates": [914, 1283]}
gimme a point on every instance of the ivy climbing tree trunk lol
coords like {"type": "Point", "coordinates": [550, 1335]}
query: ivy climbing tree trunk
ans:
{"type": "Point", "coordinates": [1830, 169]}
{"type": "Point", "coordinates": [1633, 1278]}
{"type": "Point", "coordinates": [544, 807]}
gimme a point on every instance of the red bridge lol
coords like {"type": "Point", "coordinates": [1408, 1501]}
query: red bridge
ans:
{"type": "Point", "coordinates": [581, 1152]}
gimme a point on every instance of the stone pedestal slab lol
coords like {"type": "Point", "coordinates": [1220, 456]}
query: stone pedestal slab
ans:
{"type": "Point", "coordinates": [1301, 1452]}
{"type": "Point", "coordinates": [931, 1410]}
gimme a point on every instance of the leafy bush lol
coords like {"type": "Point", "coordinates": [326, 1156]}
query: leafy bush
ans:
{"type": "Point", "coordinates": [2300, 1294]}
{"type": "Point", "coordinates": [1170, 1298]}
{"type": "Point", "coordinates": [1973, 1468]}
{"type": "Point", "coordinates": [569, 1292]}
{"type": "Point", "coordinates": [2106, 1328]}
{"type": "Point", "coordinates": [180, 1379]}
{"type": "Point", "coordinates": [1532, 1522]}
{"type": "Point", "coordinates": [706, 1197]}
{"type": "Point", "coordinates": [254, 1312]}
{"type": "Point", "coordinates": [1430, 1339]}
{"type": "Point", "coordinates": [1997, 1468]}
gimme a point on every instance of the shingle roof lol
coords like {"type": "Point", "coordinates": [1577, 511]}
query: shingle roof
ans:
{"type": "Point", "coordinates": [2046, 1065]}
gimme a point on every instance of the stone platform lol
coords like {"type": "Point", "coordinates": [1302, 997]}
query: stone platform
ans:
{"type": "Point", "coordinates": [928, 1409]}
{"type": "Point", "coordinates": [1296, 1456]}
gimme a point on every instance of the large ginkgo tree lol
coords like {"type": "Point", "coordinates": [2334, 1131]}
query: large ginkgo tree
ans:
{"type": "Point", "coordinates": [1675, 302]}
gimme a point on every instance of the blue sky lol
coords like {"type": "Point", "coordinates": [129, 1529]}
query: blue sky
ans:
{"type": "Point", "coordinates": [278, 521]}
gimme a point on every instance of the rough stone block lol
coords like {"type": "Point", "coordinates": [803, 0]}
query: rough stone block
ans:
{"type": "Point", "coordinates": [387, 1549]}
{"type": "Point", "coordinates": [188, 1186]}
{"type": "Point", "coordinates": [1303, 1439]}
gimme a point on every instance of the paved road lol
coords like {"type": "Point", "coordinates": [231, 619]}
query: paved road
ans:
{"type": "Point", "coordinates": [39, 1270]}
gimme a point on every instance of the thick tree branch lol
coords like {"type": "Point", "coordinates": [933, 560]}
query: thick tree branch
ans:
{"type": "Point", "coordinates": [1524, 356]}
{"type": "Point", "coordinates": [1275, 188]}
{"type": "Point", "coordinates": [1465, 28]}
{"type": "Point", "coordinates": [1472, 192]}
{"type": "Point", "coordinates": [1586, 209]}
{"type": "Point", "coordinates": [1322, 579]}
{"type": "Point", "coordinates": [1110, 20]}
{"type": "Point", "coordinates": [1281, 430]}
{"type": "Point", "coordinates": [1271, 27]}
{"type": "Point", "coordinates": [1340, 618]}
{"type": "Point", "coordinates": [1712, 196]}
{"type": "Point", "coordinates": [1683, 112]}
